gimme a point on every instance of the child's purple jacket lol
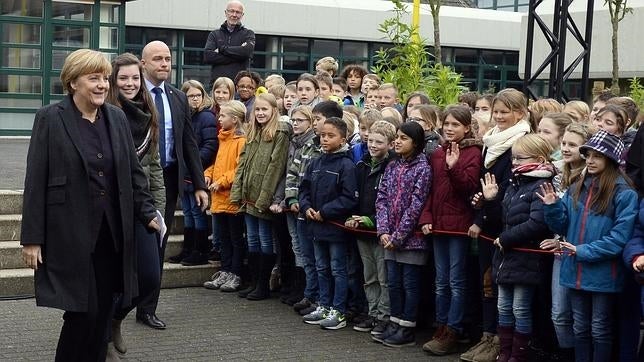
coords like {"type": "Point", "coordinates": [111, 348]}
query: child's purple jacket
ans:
{"type": "Point", "coordinates": [402, 193]}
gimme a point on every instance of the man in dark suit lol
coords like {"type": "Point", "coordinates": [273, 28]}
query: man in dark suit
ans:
{"type": "Point", "coordinates": [177, 147]}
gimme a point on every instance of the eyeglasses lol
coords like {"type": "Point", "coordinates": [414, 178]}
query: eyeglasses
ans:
{"type": "Point", "coordinates": [521, 158]}
{"type": "Point", "coordinates": [299, 120]}
{"type": "Point", "coordinates": [234, 12]}
{"type": "Point", "coordinates": [194, 96]}
{"type": "Point", "coordinates": [415, 119]}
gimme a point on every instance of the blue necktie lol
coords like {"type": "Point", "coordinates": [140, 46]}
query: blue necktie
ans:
{"type": "Point", "coordinates": [158, 102]}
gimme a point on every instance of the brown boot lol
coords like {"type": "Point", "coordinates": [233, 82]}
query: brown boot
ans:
{"type": "Point", "coordinates": [505, 340]}
{"type": "Point", "coordinates": [446, 343]}
{"type": "Point", "coordinates": [520, 347]}
{"type": "Point", "coordinates": [489, 352]}
{"type": "Point", "coordinates": [427, 347]}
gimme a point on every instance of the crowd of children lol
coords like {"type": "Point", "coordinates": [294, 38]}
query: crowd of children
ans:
{"type": "Point", "coordinates": [511, 214]}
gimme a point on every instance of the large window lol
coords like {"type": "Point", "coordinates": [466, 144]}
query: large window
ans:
{"type": "Point", "coordinates": [35, 38]}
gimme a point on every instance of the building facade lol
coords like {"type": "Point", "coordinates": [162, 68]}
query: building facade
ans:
{"type": "Point", "coordinates": [482, 44]}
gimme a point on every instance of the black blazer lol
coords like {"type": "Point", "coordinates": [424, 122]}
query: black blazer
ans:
{"type": "Point", "coordinates": [56, 204]}
{"type": "Point", "coordinates": [185, 144]}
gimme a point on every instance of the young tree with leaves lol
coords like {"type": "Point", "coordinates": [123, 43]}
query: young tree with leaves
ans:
{"type": "Point", "coordinates": [617, 10]}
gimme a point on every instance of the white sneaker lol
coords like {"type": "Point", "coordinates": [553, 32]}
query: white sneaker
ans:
{"type": "Point", "coordinates": [232, 284]}
{"type": "Point", "coordinates": [218, 281]}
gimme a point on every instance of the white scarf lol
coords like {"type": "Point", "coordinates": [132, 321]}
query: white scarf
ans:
{"type": "Point", "coordinates": [496, 142]}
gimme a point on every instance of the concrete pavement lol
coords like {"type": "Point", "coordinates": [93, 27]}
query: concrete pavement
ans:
{"type": "Point", "coordinates": [205, 325]}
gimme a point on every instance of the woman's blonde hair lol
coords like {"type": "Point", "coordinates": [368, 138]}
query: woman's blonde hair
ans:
{"type": "Point", "coordinates": [351, 120]}
{"type": "Point", "coordinates": [206, 101]}
{"type": "Point", "coordinates": [561, 120]}
{"type": "Point", "coordinates": [542, 106]}
{"type": "Point", "coordinates": [328, 64]}
{"type": "Point", "coordinates": [569, 173]}
{"type": "Point", "coordinates": [223, 82]}
{"type": "Point", "coordinates": [533, 145]}
{"type": "Point", "coordinates": [576, 109]}
{"type": "Point", "coordinates": [431, 114]}
{"type": "Point", "coordinates": [237, 110]}
{"type": "Point", "coordinates": [515, 100]}
{"type": "Point", "coordinates": [305, 110]}
{"type": "Point", "coordinates": [81, 62]}
{"type": "Point", "coordinates": [267, 131]}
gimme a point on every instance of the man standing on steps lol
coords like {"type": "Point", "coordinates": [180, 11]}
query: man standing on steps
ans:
{"type": "Point", "coordinates": [230, 48]}
{"type": "Point", "coordinates": [177, 147]}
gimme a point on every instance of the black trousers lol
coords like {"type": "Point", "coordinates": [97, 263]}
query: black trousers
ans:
{"type": "Point", "coordinates": [147, 258]}
{"type": "Point", "coordinates": [84, 336]}
{"type": "Point", "coordinates": [148, 305]}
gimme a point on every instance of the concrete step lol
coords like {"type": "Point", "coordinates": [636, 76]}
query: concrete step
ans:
{"type": "Point", "coordinates": [20, 282]}
{"type": "Point", "coordinates": [10, 227]}
{"type": "Point", "coordinates": [10, 202]}
{"type": "Point", "coordinates": [10, 252]}
{"type": "Point", "coordinates": [10, 255]}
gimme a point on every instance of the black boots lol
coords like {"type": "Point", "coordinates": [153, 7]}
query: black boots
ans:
{"type": "Point", "coordinates": [199, 254]}
{"type": "Point", "coordinates": [262, 291]}
{"type": "Point", "coordinates": [297, 288]}
{"type": "Point", "coordinates": [186, 248]}
{"type": "Point", "coordinates": [253, 273]}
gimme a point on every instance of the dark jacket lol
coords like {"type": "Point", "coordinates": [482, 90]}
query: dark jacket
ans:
{"type": "Point", "coordinates": [635, 247]}
{"type": "Point", "coordinates": [635, 160]}
{"type": "Point", "coordinates": [329, 186]}
{"type": "Point", "coordinates": [234, 50]}
{"type": "Point", "coordinates": [523, 227]}
{"type": "Point", "coordinates": [204, 126]}
{"type": "Point", "coordinates": [185, 145]}
{"type": "Point", "coordinates": [448, 205]}
{"type": "Point", "coordinates": [502, 171]}
{"type": "Point", "coordinates": [56, 204]}
{"type": "Point", "coordinates": [432, 141]}
{"type": "Point", "coordinates": [369, 177]}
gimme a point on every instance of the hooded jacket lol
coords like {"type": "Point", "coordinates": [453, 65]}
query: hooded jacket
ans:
{"type": "Point", "coordinates": [261, 167]}
{"type": "Point", "coordinates": [600, 238]}
{"type": "Point", "coordinates": [329, 186]}
{"type": "Point", "coordinates": [448, 205]}
{"type": "Point", "coordinates": [231, 143]}
{"type": "Point", "coordinates": [402, 193]}
{"type": "Point", "coordinates": [523, 227]}
{"type": "Point", "coordinates": [369, 175]}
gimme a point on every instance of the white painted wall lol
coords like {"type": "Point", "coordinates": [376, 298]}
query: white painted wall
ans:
{"type": "Point", "coordinates": [331, 19]}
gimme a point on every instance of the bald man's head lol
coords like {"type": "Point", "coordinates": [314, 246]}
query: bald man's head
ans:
{"type": "Point", "coordinates": [234, 12]}
{"type": "Point", "coordinates": [157, 62]}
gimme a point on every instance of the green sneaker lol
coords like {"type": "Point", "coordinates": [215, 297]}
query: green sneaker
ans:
{"type": "Point", "coordinates": [317, 316]}
{"type": "Point", "coordinates": [334, 320]}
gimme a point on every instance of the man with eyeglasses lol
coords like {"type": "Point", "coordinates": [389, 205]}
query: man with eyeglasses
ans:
{"type": "Point", "coordinates": [230, 48]}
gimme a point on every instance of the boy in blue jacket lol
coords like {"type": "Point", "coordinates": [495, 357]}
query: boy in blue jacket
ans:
{"type": "Point", "coordinates": [329, 193]}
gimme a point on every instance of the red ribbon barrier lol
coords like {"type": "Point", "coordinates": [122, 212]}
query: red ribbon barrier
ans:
{"type": "Point", "coordinates": [439, 232]}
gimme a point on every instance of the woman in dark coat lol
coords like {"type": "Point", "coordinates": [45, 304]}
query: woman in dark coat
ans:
{"type": "Point", "coordinates": [127, 93]}
{"type": "Point", "coordinates": [83, 188]}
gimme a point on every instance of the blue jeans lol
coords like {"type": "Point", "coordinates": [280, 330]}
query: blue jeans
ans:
{"type": "Point", "coordinates": [229, 230]}
{"type": "Point", "coordinates": [357, 298]}
{"type": "Point", "coordinates": [331, 262]}
{"type": "Point", "coordinates": [514, 304]}
{"type": "Point", "coordinates": [561, 309]}
{"type": "Point", "coordinates": [291, 222]}
{"type": "Point", "coordinates": [259, 234]}
{"type": "Point", "coordinates": [592, 313]}
{"type": "Point", "coordinates": [403, 281]}
{"type": "Point", "coordinates": [450, 261]}
{"type": "Point", "coordinates": [193, 217]}
{"type": "Point", "coordinates": [307, 250]}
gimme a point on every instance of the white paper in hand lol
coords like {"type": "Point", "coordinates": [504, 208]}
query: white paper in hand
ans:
{"type": "Point", "coordinates": [163, 229]}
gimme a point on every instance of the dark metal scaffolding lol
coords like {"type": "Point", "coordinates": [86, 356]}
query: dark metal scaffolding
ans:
{"type": "Point", "coordinates": [556, 37]}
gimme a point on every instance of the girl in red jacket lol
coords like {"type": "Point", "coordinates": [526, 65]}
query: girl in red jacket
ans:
{"type": "Point", "coordinates": [456, 166]}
